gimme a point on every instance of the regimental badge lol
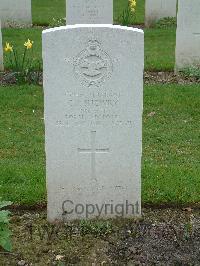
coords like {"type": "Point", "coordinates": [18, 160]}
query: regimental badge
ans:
{"type": "Point", "coordinates": [93, 66]}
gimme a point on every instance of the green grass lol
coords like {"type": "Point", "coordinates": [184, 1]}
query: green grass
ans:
{"type": "Point", "coordinates": [159, 45]}
{"type": "Point", "coordinates": [160, 49]}
{"type": "Point", "coordinates": [44, 11]}
{"type": "Point", "coordinates": [171, 144]}
{"type": "Point", "coordinates": [171, 166]}
{"type": "Point", "coordinates": [22, 144]}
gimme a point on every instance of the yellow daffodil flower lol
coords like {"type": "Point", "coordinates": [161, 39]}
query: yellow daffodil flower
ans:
{"type": "Point", "coordinates": [28, 44]}
{"type": "Point", "coordinates": [8, 48]}
{"type": "Point", "coordinates": [132, 4]}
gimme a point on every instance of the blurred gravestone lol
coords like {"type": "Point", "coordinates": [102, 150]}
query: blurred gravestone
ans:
{"type": "Point", "coordinates": [15, 12]}
{"type": "Point", "coordinates": [188, 34]}
{"type": "Point", "coordinates": [157, 9]}
{"type": "Point", "coordinates": [89, 12]}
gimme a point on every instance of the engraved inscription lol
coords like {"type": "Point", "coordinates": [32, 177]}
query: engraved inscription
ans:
{"type": "Point", "coordinates": [92, 12]}
{"type": "Point", "coordinates": [95, 108]}
{"type": "Point", "coordinates": [93, 66]}
{"type": "Point", "coordinates": [88, 11]}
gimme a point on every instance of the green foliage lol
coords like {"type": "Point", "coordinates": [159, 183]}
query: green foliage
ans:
{"type": "Point", "coordinates": [5, 233]}
{"type": "Point", "coordinates": [16, 38]}
{"type": "Point", "coordinates": [165, 23]}
{"type": "Point", "coordinates": [43, 11]}
{"type": "Point", "coordinates": [96, 228]}
{"type": "Point", "coordinates": [57, 22]}
{"type": "Point", "coordinates": [127, 16]}
{"type": "Point", "coordinates": [192, 72]}
{"type": "Point", "coordinates": [188, 229]}
{"type": "Point", "coordinates": [23, 65]}
{"type": "Point", "coordinates": [159, 46]}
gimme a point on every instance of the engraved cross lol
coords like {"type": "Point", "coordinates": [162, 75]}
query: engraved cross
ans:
{"type": "Point", "coordinates": [93, 151]}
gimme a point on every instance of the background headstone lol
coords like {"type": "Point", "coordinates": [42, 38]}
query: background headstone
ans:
{"type": "Point", "coordinates": [157, 9]}
{"type": "Point", "coordinates": [93, 87]}
{"type": "Point", "coordinates": [188, 34]}
{"type": "Point", "coordinates": [1, 50]}
{"type": "Point", "coordinates": [89, 12]}
{"type": "Point", "coordinates": [15, 12]}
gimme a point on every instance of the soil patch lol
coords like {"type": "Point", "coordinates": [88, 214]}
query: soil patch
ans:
{"type": "Point", "coordinates": [161, 237]}
{"type": "Point", "coordinates": [9, 78]}
{"type": "Point", "coordinates": [168, 78]}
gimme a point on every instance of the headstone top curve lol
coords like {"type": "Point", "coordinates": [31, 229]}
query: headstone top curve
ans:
{"type": "Point", "coordinates": [92, 26]}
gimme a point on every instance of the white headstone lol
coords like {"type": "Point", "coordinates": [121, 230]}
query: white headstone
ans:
{"type": "Point", "coordinates": [158, 9]}
{"type": "Point", "coordinates": [93, 86]}
{"type": "Point", "coordinates": [15, 12]}
{"type": "Point", "coordinates": [89, 12]}
{"type": "Point", "coordinates": [1, 50]}
{"type": "Point", "coordinates": [188, 34]}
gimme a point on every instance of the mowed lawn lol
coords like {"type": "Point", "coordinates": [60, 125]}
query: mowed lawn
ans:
{"type": "Point", "coordinates": [43, 11]}
{"type": "Point", "coordinates": [171, 144]}
{"type": "Point", "coordinates": [159, 46]}
{"type": "Point", "coordinates": [159, 43]}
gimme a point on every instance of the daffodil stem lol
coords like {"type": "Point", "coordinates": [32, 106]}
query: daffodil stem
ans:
{"type": "Point", "coordinates": [23, 58]}
{"type": "Point", "coordinates": [31, 63]}
{"type": "Point", "coordinates": [10, 59]}
{"type": "Point", "coordinates": [15, 57]}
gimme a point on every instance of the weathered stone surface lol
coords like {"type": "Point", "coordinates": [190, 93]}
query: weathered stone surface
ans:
{"type": "Point", "coordinates": [93, 87]}
{"type": "Point", "coordinates": [188, 34]}
{"type": "Point", "coordinates": [157, 9]}
{"type": "Point", "coordinates": [15, 12]}
{"type": "Point", "coordinates": [89, 12]}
